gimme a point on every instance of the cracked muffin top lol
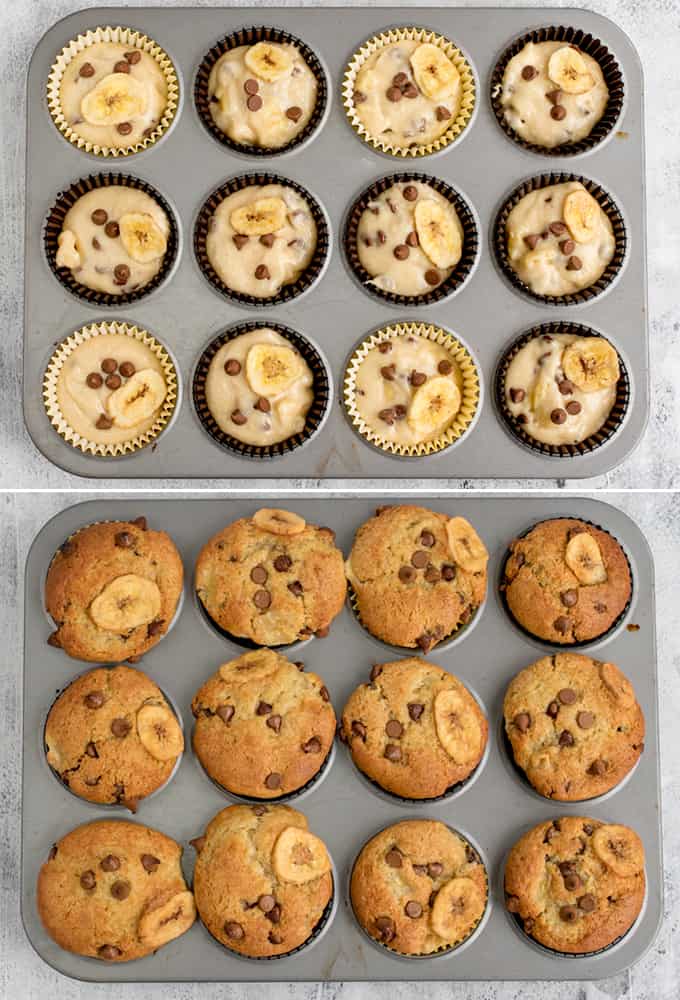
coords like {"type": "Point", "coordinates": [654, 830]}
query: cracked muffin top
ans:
{"type": "Point", "coordinates": [577, 884]}
{"type": "Point", "coordinates": [112, 590]}
{"type": "Point", "coordinates": [418, 887]}
{"type": "Point", "coordinates": [414, 729]}
{"type": "Point", "coordinates": [272, 578]}
{"type": "Point", "coordinates": [264, 728]}
{"type": "Point", "coordinates": [566, 581]}
{"type": "Point", "coordinates": [262, 880]}
{"type": "Point", "coordinates": [417, 575]}
{"type": "Point", "coordinates": [114, 890]}
{"type": "Point", "coordinates": [575, 726]}
{"type": "Point", "coordinates": [111, 736]}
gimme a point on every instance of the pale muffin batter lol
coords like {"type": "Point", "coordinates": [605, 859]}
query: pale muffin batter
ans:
{"type": "Point", "coordinates": [113, 239]}
{"type": "Point", "coordinates": [559, 240]}
{"type": "Point", "coordinates": [553, 93]}
{"type": "Point", "coordinates": [262, 95]}
{"type": "Point", "coordinates": [407, 246]}
{"type": "Point", "coordinates": [111, 388]}
{"type": "Point", "coordinates": [113, 95]}
{"type": "Point", "coordinates": [558, 406]}
{"type": "Point", "coordinates": [407, 93]}
{"type": "Point", "coordinates": [259, 388]}
{"type": "Point", "coordinates": [408, 390]}
{"type": "Point", "coordinates": [260, 239]}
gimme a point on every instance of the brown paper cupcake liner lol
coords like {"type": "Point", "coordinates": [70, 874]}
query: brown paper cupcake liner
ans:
{"type": "Point", "coordinates": [566, 647]}
{"type": "Point", "coordinates": [55, 221]}
{"type": "Point", "coordinates": [468, 90]}
{"type": "Point", "coordinates": [288, 292]}
{"type": "Point", "coordinates": [608, 429]}
{"type": "Point", "coordinates": [470, 395]}
{"type": "Point", "coordinates": [243, 641]}
{"type": "Point", "coordinates": [315, 415]}
{"type": "Point", "coordinates": [608, 206]}
{"type": "Point", "coordinates": [517, 921]}
{"type": "Point", "coordinates": [51, 401]}
{"type": "Point", "coordinates": [250, 36]}
{"type": "Point", "coordinates": [461, 271]}
{"type": "Point", "coordinates": [593, 47]}
{"type": "Point", "coordinates": [135, 40]}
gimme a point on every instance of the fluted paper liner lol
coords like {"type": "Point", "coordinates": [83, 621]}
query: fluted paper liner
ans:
{"type": "Point", "coordinates": [135, 40]}
{"type": "Point", "coordinates": [56, 363]}
{"type": "Point", "coordinates": [470, 392]}
{"type": "Point", "coordinates": [423, 35]}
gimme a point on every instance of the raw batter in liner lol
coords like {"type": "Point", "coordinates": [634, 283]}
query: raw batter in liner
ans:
{"type": "Point", "coordinates": [130, 99]}
{"type": "Point", "coordinates": [272, 255]}
{"type": "Point", "coordinates": [251, 416]}
{"type": "Point", "coordinates": [262, 95]}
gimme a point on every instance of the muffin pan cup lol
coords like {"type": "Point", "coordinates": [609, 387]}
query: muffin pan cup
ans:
{"type": "Point", "coordinates": [492, 811]}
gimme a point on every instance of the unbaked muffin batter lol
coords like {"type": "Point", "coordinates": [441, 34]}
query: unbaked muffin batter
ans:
{"type": "Point", "coordinates": [259, 388]}
{"type": "Point", "coordinates": [409, 239]}
{"type": "Point", "coordinates": [112, 95]}
{"type": "Point", "coordinates": [553, 93]}
{"type": "Point", "coordinates": [262, 95]}
{"type": "Point", "coordinates": [260, 239]}
{"type": "Point", "coordinates": [114, 239]}
{"type": "Point", "coordinates": [559, 240]}
{"type": "Point", "coordinates": [558, 406]}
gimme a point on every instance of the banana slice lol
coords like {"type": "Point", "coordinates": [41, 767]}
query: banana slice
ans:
{"type": "Point", "coordinates": [591, 363]}
{"type": "Point", "coordinates": [434, 72]}
{"type": "Point", "coordinates": [138, 399]}
{"type": "Point", "coordinates": [166, 918]}
{"type": "Point", "coordinates": [434, 405]}
{"type": "Point", "coordinates": [457, 728]}
{"type": "Point", "coordinates": [117, 98]}
{"type": "Point", "coordinates": [437, 232]}
{"type": "Point", "coordinates": [457, 907]}
{"type": "Point", "coordinates": [467, 548]}
{"type": "Point", "coordinates": [542, 397]}
{"type": "Point", "coordinates": [249, 667]}
{"type": "Point", "coordinates": [141, 237]}
{"type": "Point", "coordinates": [268, 61]}
{"type": "Point", "coordinates": [271, 369]}
{"type": "Point", "coordinates": [67, 250]}
{"type": "Point", "coordinates": [584, 559]}
{"type": "Point", "coordinates": [125, 603]}
{"type": "Point", "coordinates": [279, 522]}
{"type": "Point", "coordinates": [299, 856]}
{"type": "Point", "coordinates": [568, 69]}
{"type": "Point", "coordinates": [582, 215]}
{"type": "Point", "coordinates": [159, 732]}
{"type": "Point", "coordinates": [619, 848]}
{"type": "Point", "coordinates": [262, 216]}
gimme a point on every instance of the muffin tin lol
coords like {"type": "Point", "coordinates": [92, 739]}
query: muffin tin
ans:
{"type": "Point", "coordinates": [492, 811]}
{"type": "Point", "coordinates": [335, 165]}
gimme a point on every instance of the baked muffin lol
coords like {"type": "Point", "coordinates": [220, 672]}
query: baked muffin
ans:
{"type": "Point", "coordinates": [418, 887]}
{"type": "Point", "coordinates": [577, 885]}
{"type": "Point", "coordinates": [416, 575]}
{"type": "Point", "coordinates": [409, 239]}
{"type": "Point", "coordinates": [561, 388]}
{"type": "Point", "coordinates": [263, 882]}
{"type": "Point", "coordinates": [112, 590]}
{"type": "Point", "coordinates": [111, 737]}
{"type": "Point", "coordinates": [263, 727]}
{"type": "Point", "coordinates": [414, 729]}
{"type": "Point", "coordinates": [113, 239]}
{"type": "Point", "coordinates": [114, 890]}
{"type": "Point", "coordinates": [574, 724]}
{"type": "Point", "coordinates": [566, 581]}
{"type": "Point", "coordinates": [271, 578]}
{"type": "Point", "coordinates": [553, 94]}
{"type": "Point", "coordinates": [559, 241]}
{"type": "Point", "coordinates": [262, 95]}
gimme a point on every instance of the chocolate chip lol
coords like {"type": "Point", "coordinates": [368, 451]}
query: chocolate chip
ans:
{"type": "Point", "coordinates": [394, 729]}
{"type": "Point", "coordinates": [273, 780]}
{"type": "Point", "coordinates": [109, 952]}
{"type": "Point", "coordinates": [521, 418]}
{"type": "Point", "coordinates": [417, 378]}
{"type": "Point", "coordinates": [124, 128]}
{"type": "Point", "coordinates": [113, 381]}
{"type": "Point", "coordinates": [312, 746]}
{"type": "Point", "coordinates": [448, 572]}
{"type": "Point", "coordinates": [120, 728]}
{"type": "Point", "coordinates": [432, 574]}
{"type": "Point", "coordinates": [412, 240]}
{"type": "Point", "coordinates": [109, 365]}
{"type": "Point", "coordinates": [262, 272]}
{"type": "Point", "coordinates": [282, 563]}
{"type": "Point", "coordinates": [94, 380]}
{"type": "Point", "coordinates": [254, 102]}
{"type": "Point", "coordinates": [569, 598]}
{"type": "Point", "coordinates": [323, 690]}
{"type": "Point", "coordinates": [413, 909]}
{"type": "Point", "coordinates": [376, 671]}
{"type": "Point", "coordinates": [133, 57]}
{"type": "Point", "coordinates": [557, 228]}
{"type": "Point", "coordinates": [572, 882]}
{"type": "Point", "coordinates": [96, 244]}
{"type": "Point", "coordinates": [401, 251]}
{"type": "Point", "coordinates": [121, 274]}
{"type": "Point", "coordinates": [393, 858]}
{"type": "Point", "coordinates": [569, 914]}
{"type": "Point", "coordinates": [359, 97]}
{"type": "Point", "coordinates": [127, 369]}
{"type": "Point", "coordinates": [294, 113]}
{"type": "Point", "coordinates": [567, 696]}
{"type": "Point", "coordinates": [410, 192]}
{"type": "Point", "coordinates": [86, 70]}
{"type": "Point", "coordinates": [415, 710]}
{"type": "Point", "coordinates": [99, 217]}
{"type": "Point", "coordinates": [263, 708]}
{"type": "Point", "coordinates": [517, 395]}
{"type": "Point", "coordinates": [388, 372]}
{"type": "Point", "coordinates": [566, 387]}
{"type": "Point", "coordinates": [266, 902]}
{"type": "Point", "coordinates": [522, 721]}
{"type": "Point", "coordinates": [393, 753]}
{"type": "Point", "coordinates": [258, 574]}
{"type": "Point", "coordinates": [274, 914]}
{"type": "Point", "coordinates": [385, 347]}
{"type": "Point", "coordinates": [121, 890]}
{"type": "Point", "coordinates": [122, 67]}
{"type": "Point", "coordinates": [567, 247]}
{"type": "Point", "coordinates": [239, 241]}
{"type": "Point", "coordinates": [531, 240]}
{"type": "Point", "coordinates": [558, 415]}
{"type": "Point", "coordinates": [419, 559]}
{"type": "Point", "coordinates": [574, 264]}
{"type": "Point", "coordinates": [124, 539]}
{"type": "Point", "coordinates": [251, 87]}
{"type": "Point", "coordinates": [359, 729]}
{"type": "Point", "coordinates": [274, 722]}
{"type": "Point", "coordinates": [88, 879]}
{"type": "Point", "coordinates": [394, 94]}
{"type": "Point", "coordinates": [111, 863]}
{"type": "Point", "coordinates": [149, 862]}
{"type": "Point", "coordinates": [432, 277]}
{"type": "Point", "coordinates": [385, 928]}
{"type": "Point", "coordinates": [296, 588]}
{"type": "Point", "coordinates": [562, 624]}
{"type": "Point", "coordinates": [112, 230]}
{"type": "Point", "coordinates": [155, 628]}
{"type": "Point", "coordinates": [387, 416]}
{"type": "Point", "coordinates": [558, 113]}
{"type": "Point", "coordinates": [585, 720]}
{"type": "Point", "coordinates": [91, 750]}
{"type": "Point", "coordinates": [442, 113]}
{"type": "Point", "coordinates": [587, 903]}
{"type": "Point", "coordinates": [573, 407]}
{"type": "Point", "coordinates": [411, 91]}
{"type": "Point", "coordinates": [239, 418]}
{"type": "Point", "coordinates": [529, 72]}
{"type": "Point", "coordinates": [597, 768]}
{"type": "Point", "coordinates": [95, 699]}
{"type": "Point", "coordinates": [226, 713]}
{"type": "Point", "coordinates": [400, 412]}
{"type": "Point", "coordinates": [420, 869]}
{"type": "Point", "coordinates": [233, 930]}
{"type": "Point", "coordinates": [566, 739]}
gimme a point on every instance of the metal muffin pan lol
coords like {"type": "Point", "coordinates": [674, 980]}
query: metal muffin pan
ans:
{"type": "Point", "coordinates": [336, 166]}
{"type": "Point", "coordinates": [492, 811]}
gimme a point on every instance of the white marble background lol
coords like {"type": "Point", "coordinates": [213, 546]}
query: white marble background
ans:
{"type": "Point", "coordinates": [654, 28]}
